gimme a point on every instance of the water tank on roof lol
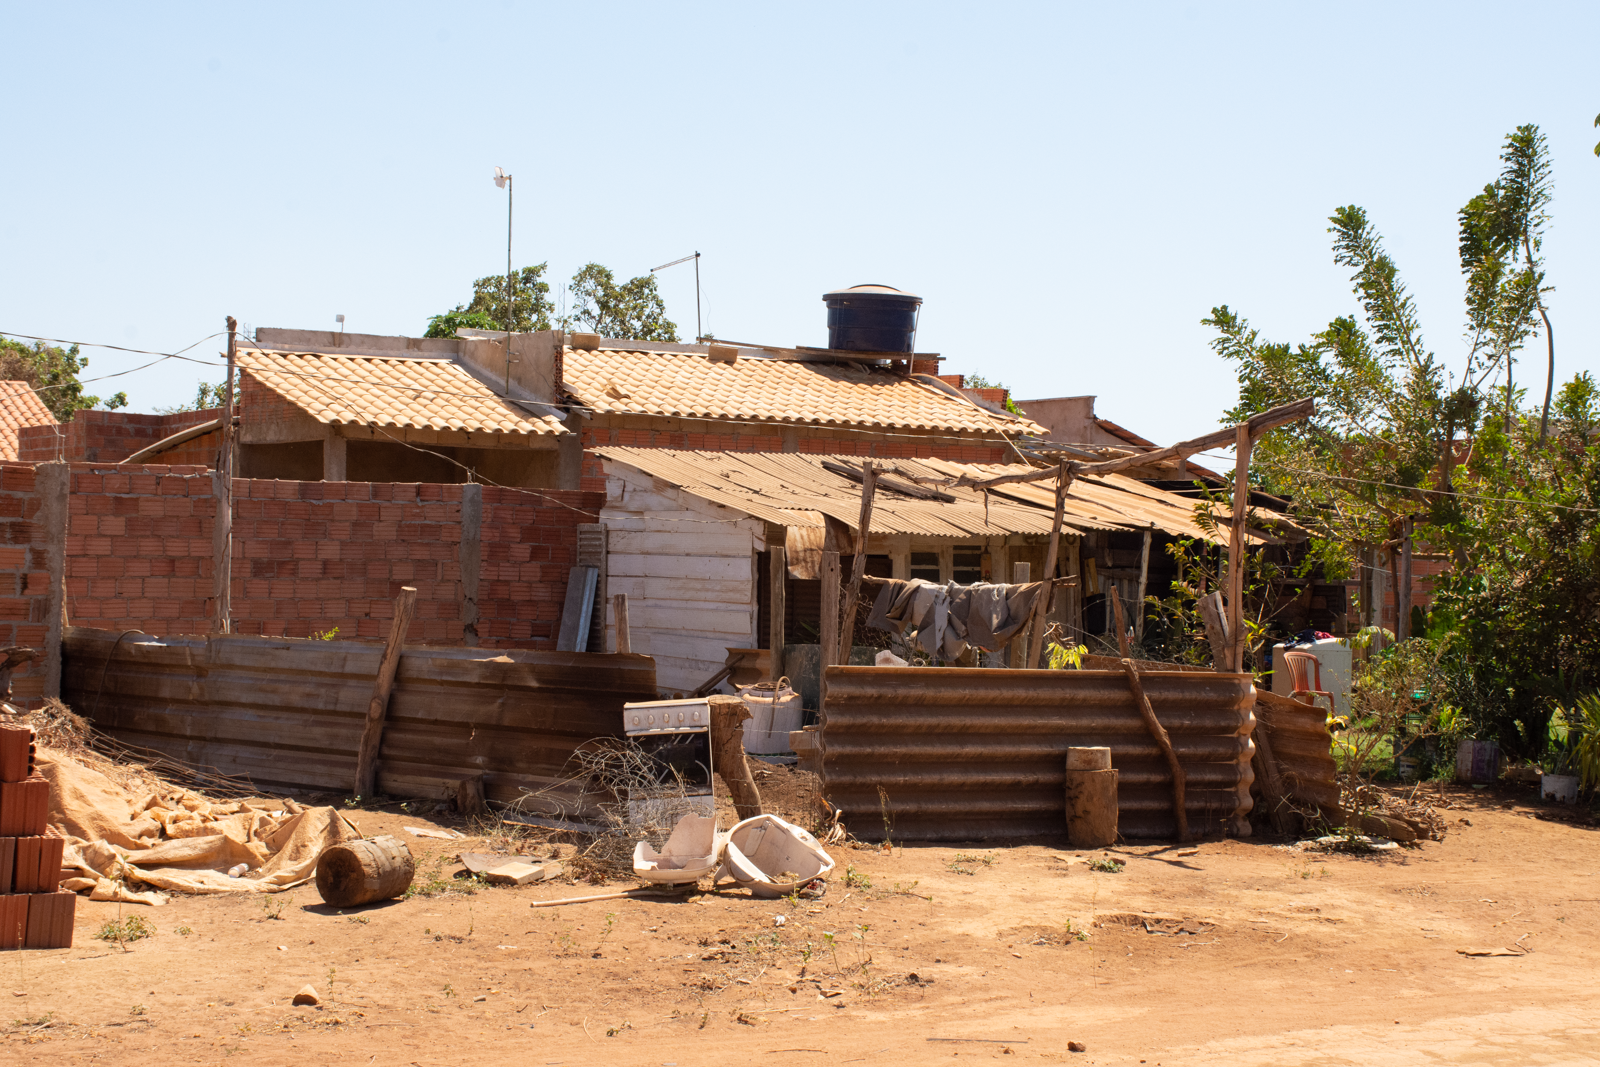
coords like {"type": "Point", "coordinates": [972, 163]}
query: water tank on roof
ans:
{"type": "Point", "coordinates": [872, 318]}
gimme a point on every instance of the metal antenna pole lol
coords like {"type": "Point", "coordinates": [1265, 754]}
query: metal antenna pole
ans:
{"type": "Point", "coordinates": [510, 300]}
{"type": "Point", "coordinates": [698, 331]}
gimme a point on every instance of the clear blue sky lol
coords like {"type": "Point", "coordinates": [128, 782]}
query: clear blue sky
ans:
{"type": "Point", "coordinates": [1070, 187]}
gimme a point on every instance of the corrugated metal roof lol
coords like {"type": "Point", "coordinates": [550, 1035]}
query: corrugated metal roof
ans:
{"type": "Point", "coordinates": [795, 489]}
{"type": "Point", "coordinates": [405, 393]}
{"type": "Point", "coordinates": [691, 385]}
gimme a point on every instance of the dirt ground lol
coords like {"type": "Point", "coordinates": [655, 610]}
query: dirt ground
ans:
{"type": "Point", "coordinates": [1236, 952]}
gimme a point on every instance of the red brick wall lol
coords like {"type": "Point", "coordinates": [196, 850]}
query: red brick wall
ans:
{"type": "Point", "coordinates": [139, 548]}
{"type": "Point", "coordinates": [310, 556]}
{"type": "Point", "coordinates": [24, 577]}
{"type": "Point", "coordinates": [110, 436]}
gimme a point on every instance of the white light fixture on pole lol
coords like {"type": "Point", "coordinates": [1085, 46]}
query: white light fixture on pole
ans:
{"type": "Point", "coordinates": [502, 180]}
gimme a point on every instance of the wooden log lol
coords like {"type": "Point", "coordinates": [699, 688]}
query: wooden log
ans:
{"type": "Point", "coordinates": [619, 606]}
{"type": "Point", "coordinates": [618, 894]}
{"type": "Point", "coordinates": [1017, 650]}
{"type": "Point", "coordinates": [858, 566]}
{"type": "Point", "coordinates": [362, 872]}
{"type": "Point", "coordinates": [469, 798]}
{"type": "Point", "coordinates": [1091, 798]}
{"type": "Point", "coordinates": [1144, 579]}
{"type": "Point", "coordinates": [1243, 442]}
{"type": "Point", "coordinates": [1164, 742]}
{"type": "Point", "coordinates": [1210, 608]}
{"type": "Point", "coordinates": [1041, 606]}
{"type": "Point", "coordinates": [378, 706]}
{"type": "Point", "coordinates": [728, 714]}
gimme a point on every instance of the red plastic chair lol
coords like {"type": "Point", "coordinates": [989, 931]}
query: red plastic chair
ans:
{"type": "Point", "coordinates": [1303, 668]}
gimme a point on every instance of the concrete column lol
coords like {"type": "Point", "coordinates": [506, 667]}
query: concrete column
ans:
{"type": "Point", "coordinates": [333, 457]}
{"type": "Point", "coordinates": [471, 549]}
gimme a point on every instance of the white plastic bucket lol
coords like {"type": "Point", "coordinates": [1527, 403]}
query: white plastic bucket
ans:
{"type": "Point", "coordinates": [1562, 788]}
{"type": "Point", "coordinates": [773, 714]}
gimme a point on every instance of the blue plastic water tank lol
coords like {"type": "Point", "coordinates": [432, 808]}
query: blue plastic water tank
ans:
{"type": "Point", "coordinates": [872, 318]}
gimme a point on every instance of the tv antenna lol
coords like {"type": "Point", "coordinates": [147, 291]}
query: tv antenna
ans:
{"type": "Point", "coordinates": [698, 334]}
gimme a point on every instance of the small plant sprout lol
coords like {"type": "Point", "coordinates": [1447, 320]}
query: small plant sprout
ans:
{"type": "Point", "coordinates": [1107, 865]}
{"type": "Point", "coordinates": [856, 879]}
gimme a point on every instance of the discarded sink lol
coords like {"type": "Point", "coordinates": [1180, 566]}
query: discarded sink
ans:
{"type": "Point", "coordinates": [691, 852]}
{"type": "Point", "coordinates": [772, 857]}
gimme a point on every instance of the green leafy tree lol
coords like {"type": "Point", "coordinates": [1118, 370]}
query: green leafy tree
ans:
{"type": "Point", "coordinates": [52, 373]}
{"type": "Point", "coordinates": [633, 309]}
{"type": "Point", "coordinates": [529, 305]}
{"type": "Point", "coordinates": [206, 396]}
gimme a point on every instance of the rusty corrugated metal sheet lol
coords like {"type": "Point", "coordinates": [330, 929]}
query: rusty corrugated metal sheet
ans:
{"type": "Point", "coordinates": [963, 754]}
{"type": "Point", "coordinates": [1302, 748]}
{"type": "Point", "coordinates": [289, 713]}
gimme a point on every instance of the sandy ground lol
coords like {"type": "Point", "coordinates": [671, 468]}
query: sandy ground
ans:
{"type": "Point", "coordinates": [1272, 955]}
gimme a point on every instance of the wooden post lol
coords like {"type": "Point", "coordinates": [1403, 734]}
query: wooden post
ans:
{"type": "Point", "coordinates": [1017, 651]}
{"type": "Point", "coordinates": [1267, 778]}
{"type": "Point", "coordinates": [1164, 742]}
{"type": "Point", "coordinates": [858, 566]}
{"type": "Point", "coordinates": [1236, 546]}
{"type": "Point", "coordinates": [1091, 796]}
{"type": "Point", "coordinates": [1041, 606]}
{"type": "Point", "coordinates": [1211, 613]}
{"type": "Point", "coordinates": [830, 609]}
{"type": "Point", "coordinates": [378, 706]}
{"type": "Point", "coordinates": [1144, 577]}
{"type": "Point", "coordinates": [777, 586]}
{"type": "Point", "coordinates": [1402, 585]}
{"type": "Point", "coordinates": [619, 608]}
{"type": "Point", "coordinates": [728, 714]}
{"type": "Point", "coordinates": [222, 559]}
{"type": "Point", "coordinates": [1121, 623]}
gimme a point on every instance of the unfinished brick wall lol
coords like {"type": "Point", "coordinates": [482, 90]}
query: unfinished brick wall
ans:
{"type": "Point", "coordinates": [24, 574]}
{"type": "Point", "coordinates": [139, 547]}
{"type": "Point", "coordinates": [312, 556]}
{"type": "Point", "coordinates": [111, 436]}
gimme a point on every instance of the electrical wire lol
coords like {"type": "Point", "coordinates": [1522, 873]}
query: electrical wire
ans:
{"type": "Point", "coordinates": [117, 374]}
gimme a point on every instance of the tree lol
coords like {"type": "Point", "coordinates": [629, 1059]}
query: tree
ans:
{"type": "Point", "coordinates": [52, 373]}
{"type": "Point", "coordinates": [1506, 223]}
{"type": "Point", "coordinates": [529, 306]}
{"type": "Point", "coordinates": [206, 396]}
{"type": "Point", "coordinates": [632, 310]}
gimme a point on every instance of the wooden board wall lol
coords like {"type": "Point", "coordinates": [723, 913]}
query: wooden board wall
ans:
{"type": "Point", "coordinates": [288, 713]}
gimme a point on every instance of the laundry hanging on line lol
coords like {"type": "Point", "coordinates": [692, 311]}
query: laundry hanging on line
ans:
{"type": "Point", "coordinates": [943, 620]}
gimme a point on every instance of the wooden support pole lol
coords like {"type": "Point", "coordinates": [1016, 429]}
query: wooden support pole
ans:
{"type": "Point", "coordinates": [1216, 623]}
{"type": "Point", "coordinates": [1041, 607]}
{"type": "Point", "coordinates": [830, 609]}
{"type": "Point", "coordinates": [858, 566]}
{"type": "Point", "coordinates": [222, 564]}
{"type": "Point", "coordinates": [619, 608]}
{"type": "Point", "coordinates": [1017, 651]}
{"type": "Point", "coordinates": [728, 714]}
{"type": "Point", "coordinates": [372, 734]}
{"type": "Point", "coordinates": [1164, 742]}
{"type": "Point", "coordinates": [1268, 780]}
{"type": "Point", "coordinates": [1402, 586]}
{"type": "Point", "coordinates": [1121, 623]}
{"type": "Point", "coordinates": [777, 586]}
{"type": "Point", "coordinates": [1144, 579]}
{"type": "Point", "coordinates": [1236, 546]}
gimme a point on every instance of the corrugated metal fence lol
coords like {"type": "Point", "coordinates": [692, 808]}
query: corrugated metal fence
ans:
{"type": "Point", "coordinates": [965, 754]}
{"type": "Point", "coordinates": [288, 713]}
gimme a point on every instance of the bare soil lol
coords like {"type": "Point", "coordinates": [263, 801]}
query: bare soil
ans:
{"type": "Point", "coordinates": [1236, 952]}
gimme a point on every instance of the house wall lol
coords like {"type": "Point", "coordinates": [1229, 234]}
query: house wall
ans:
{"type": "Point", "coordinates": [24, 574]}
{"type": "Point", "coordinates": [109, 436]}
{"type": "Point", "coordinates": [690, 577]}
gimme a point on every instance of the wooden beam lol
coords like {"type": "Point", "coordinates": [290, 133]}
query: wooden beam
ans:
{"type": "Point", "coordinates": [1144, 576]}
{"type": "Point", "coordinates": [222, 534]}
{"type": "Point", "coordinates": [1041, 607]}
{"type": "Point", "coordinates": [372, 734]}
{"type": "Point", "coordinates": [1236, 546]}
{"type": "Point", "coordinates": [858, 565]}
{"type": "Point", "coordinates": [1258, 425]}
{"type": "Point", "coordinates": [1211, 613]}
{"type": "Point", "coordinates": [777, 586]}
{"type": "Point", "coordinates": [1017, 651]}
{"type": "Point", "coordinates": [830, 609]}
{"type": "Point", "coordinates": [1164, 742]}
{"type": "Point", "coordinates": [1121, 624]}
{"type": "Point", "coordinates": [619, 607]}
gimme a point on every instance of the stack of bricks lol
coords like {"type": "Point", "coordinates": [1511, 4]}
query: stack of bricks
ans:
{"type": "Point", "coordinates": [33, 912]}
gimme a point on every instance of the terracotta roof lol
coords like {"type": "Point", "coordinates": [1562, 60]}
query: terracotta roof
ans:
{"type": "Point", "coordinates": [406, 393]}
{"type": "Point", "coordinates": [691, 385]}
{"type": "Point", "coordinates": [19, 406]}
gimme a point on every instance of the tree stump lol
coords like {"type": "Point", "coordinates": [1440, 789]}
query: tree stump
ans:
{"type": "Point", "coordinates": [361, 872]}
{"type": "Point", "coordinates": [728, 714]}
{"type": "Point", "coordinates": [469, 798]}
{"type": "Point", "coordinates": [1091, 795]}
